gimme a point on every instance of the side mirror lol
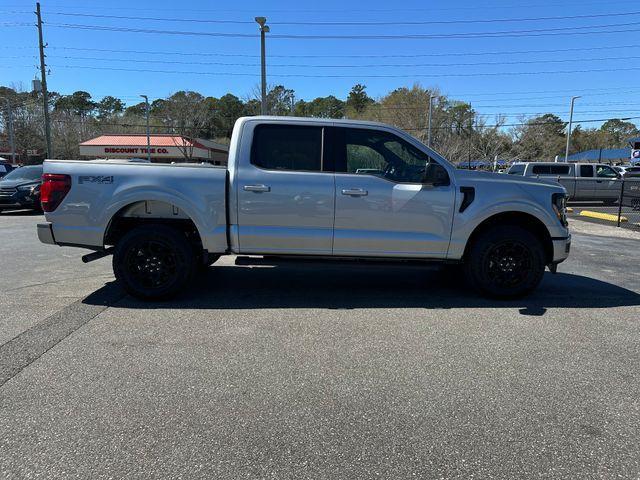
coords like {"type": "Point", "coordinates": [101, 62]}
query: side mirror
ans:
{"type": "Point", "coordinates": [435, 175]}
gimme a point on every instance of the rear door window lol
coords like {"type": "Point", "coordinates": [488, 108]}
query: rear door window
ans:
{"type": "Point", "coordinates": [586, 171]}
{"type": "Point", "coordinates": [541, 170]}
{"type": "Point", "coordinates": [287, 147]}
{"type": "Point", "coordinates": [550, 170]}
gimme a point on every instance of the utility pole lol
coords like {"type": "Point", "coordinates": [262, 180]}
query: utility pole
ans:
{"type": "Point", "coordinates": [12, 143]}
{"type": "Point", "coordinates": [566, 154]}
{"type": "Point", "coordinates": [264, 28]}
{"type": "Point", "coordinates": [146, 111]}
{"type": "Point", "coordinates": [429, 122]}
{"type": "Point", "coordinates": [45, 93]}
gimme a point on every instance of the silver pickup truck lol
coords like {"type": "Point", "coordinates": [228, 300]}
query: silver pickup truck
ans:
{"type": "Point", "coordinates": [330, 189]}
{"type": "Point", "coordinates": [583, 181]}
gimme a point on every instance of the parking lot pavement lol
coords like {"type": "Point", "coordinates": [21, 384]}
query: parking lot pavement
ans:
{"type": "Point", "coordinates": [326, 371]}
{"type": "Point", "coordinates": [36, 280]}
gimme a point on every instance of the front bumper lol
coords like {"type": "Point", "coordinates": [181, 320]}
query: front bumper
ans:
{"type": "Point", "coordinates": [561, 249]}
{"type": "Point", "coordinates": [45, 233]}
{"type": "Point", "coordinates": [18, 201]}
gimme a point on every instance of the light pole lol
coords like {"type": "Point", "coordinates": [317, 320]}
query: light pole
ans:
{"type": "Point", "coordinates": [264, 28]}
{"type": "Point", "coordinates": [12, 144]}
{"type": "Point", "coordinates": [146, 103]}
{"type": "Point", "coordinates": [566, 153]}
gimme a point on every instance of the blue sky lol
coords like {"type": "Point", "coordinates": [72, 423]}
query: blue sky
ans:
{"type": "Point", "coordinates": [510, 57]}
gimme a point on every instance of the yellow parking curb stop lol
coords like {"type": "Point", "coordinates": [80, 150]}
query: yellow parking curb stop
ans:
{"type": "Point", "coordinates": [602, 216]}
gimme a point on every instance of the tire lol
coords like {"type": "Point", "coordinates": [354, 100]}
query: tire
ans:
{"type": "Point", "coordinates": [154, 262]}
{"type": "Point", "coordinates": [506, 261]}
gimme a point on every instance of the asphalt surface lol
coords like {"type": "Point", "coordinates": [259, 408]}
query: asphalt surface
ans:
{"type": "Point", "coordinates": [318, 371]}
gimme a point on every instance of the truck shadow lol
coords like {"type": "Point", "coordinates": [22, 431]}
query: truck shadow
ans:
{"type": "Point", "coordinates": [350, 287]}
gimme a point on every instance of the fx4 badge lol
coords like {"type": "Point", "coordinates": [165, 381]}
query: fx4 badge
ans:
{"type": "Point", "coordinates": [95, 179]}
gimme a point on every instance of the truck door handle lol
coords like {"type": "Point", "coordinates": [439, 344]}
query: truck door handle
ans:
{"type": "Point", "coordinates": [256, 188]}
{"type": "Point", "coordinates": [355, 192]}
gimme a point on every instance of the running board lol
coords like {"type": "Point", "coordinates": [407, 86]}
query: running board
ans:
{"type": "Point", "coordinates": [273, 260]}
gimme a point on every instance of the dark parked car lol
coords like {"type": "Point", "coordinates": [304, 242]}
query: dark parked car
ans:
{"type": "Point", "coordinates": [5, 168]}
{"type": "Point", "coordinates": [20, 188]}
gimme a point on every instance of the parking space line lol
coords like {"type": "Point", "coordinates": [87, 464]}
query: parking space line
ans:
{"type": "Point", "coordinates": [30, 345]}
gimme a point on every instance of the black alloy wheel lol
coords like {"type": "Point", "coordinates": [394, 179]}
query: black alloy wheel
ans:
{"type": "Point", "coordinates": [154, 261]}
{"type": "Point", "coordinates": [507, 264]}
{"type": "Point", "coordinates": [506, 261]}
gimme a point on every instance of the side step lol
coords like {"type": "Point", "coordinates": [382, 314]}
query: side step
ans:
{"type": "Point", "coordinates": [90, 257]}
{"type": "Point", "coordinates": [273, 260]}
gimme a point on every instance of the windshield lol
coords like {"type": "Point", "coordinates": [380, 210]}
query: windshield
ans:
{"type": "Point", "coordinates": [25, 173]}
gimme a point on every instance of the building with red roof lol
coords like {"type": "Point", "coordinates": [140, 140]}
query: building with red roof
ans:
{"type": "Point", "coordinates": [164, 148]}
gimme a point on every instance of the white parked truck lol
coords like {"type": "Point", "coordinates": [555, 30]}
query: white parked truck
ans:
{"type": "Point", "coordinates": [322, 188]}
{"type": "Point", "coordinates": [583, 181]}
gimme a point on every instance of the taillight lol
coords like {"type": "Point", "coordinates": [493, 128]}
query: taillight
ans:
{"type": "Point", "coordinates": [53, 190]}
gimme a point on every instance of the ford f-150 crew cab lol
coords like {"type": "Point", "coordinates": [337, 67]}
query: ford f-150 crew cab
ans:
{"type": "Point", "coordinates": [306, 187]}
{"type": "Point", "coordinates": [583, 181]}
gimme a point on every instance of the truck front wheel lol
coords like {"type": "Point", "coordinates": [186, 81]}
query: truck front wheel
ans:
{"type": "Point", "coordinates": [506, 261]}
{"type": "Point", "coordinates": [153, 261]}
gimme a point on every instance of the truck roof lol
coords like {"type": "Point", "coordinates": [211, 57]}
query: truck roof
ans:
{"type": "Point", "coordinates": [314, 120]}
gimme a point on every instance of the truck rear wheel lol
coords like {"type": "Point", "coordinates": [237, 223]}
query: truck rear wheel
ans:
{"type": "Point", "coordinates": [153, 261]}
{"type": "Point", "coordinates": [506, 261]}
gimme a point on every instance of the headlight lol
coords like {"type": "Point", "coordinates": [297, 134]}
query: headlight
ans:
{"type": "Point", "coordinates": [30, 188]}
{"type": "Point", "coordinates": [559, 204]}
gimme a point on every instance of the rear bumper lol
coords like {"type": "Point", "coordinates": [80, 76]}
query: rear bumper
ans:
{"type": "Point", "coordinates": [561, 249]}
{"type": "Point", "coordinates": [45, 233]}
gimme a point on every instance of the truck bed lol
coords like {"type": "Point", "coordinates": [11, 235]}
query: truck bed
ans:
{"type": "Point", "coordinates": [103, 189]}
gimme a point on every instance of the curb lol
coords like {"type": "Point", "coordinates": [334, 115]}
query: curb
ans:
{"type": "Point", "coordinates": [602, 216]}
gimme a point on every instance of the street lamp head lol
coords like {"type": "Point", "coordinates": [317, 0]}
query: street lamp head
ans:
{"type": "Point", "coordinates": [145, 97]}
{"type": "Point", "coordinates": [266, 29]}
{"type": "Point", "coordinates": [261, 21]}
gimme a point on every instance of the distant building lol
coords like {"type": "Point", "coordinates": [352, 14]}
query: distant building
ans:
{"type": "Point", "coordinates": [602, 155]}
{"type": "Point", "coordinates": [164, 148]}
{"type": "Point", "coordinates": [610, 155]}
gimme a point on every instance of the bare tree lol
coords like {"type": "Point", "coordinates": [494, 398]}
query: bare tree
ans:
{"type": "Point", "coordinates": [187, 115]}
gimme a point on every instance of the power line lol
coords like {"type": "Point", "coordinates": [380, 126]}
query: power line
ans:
{"type": "Point", "coordinates": [572, 90]}
{"type": "Point", "coordinates": [421, 55]}
{"type": "Point", "coordinates": [359, 11]}
{"type": "Point", "coordinates": [527, 123]}
{"type": "Point", "coordinates": [530, 123]}
{"type": "Point", "coordinates": [296, 75]}
{"type": "Point", "coordinates": [468, 35]}
{"type": "Point", "coordinates": [475, 106]}
{"type": "Point", "coordinates": [308, 65]}
{"type": "Point", "coordinates": [348, 23]}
